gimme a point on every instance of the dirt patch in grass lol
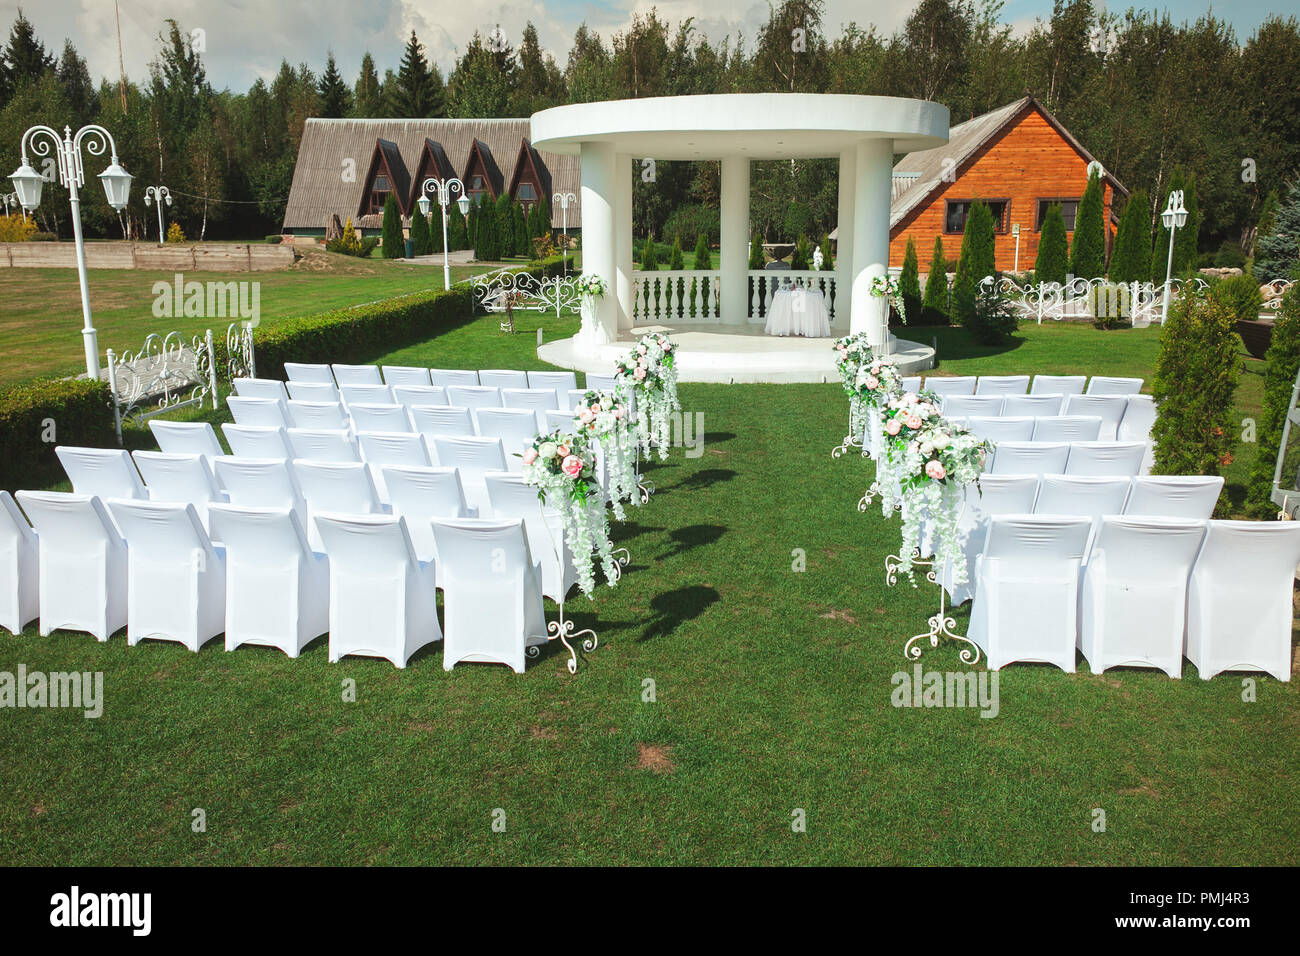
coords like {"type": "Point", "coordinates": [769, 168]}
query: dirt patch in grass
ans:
{"type": "Point", "coordinates": [538, 732]}
{"type": "Point", "coordinates": [657, 758]}
{"type": "Point", "coordinates": [839, 614]}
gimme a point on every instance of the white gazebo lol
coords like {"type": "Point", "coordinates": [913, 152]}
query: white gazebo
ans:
{"type": "Point", "coordinates": [719, 321]}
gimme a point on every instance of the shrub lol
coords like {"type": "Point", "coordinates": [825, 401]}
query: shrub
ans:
{"type": "Point", "coordinates": [936, 283]}
{"type": "Point", "coordinates": [693, 221]}
{"type": "Point", "coordinates": [420, 243]}
{"type": "Point", "coordinates": [993, 321]}
{"type": "Point", "coordinates": [392, 244]}
{"type": "Point", "coordinates": [703, 258]}
{"type": "Point", "coordinates": [1052, 260]}
{"type": "Point", "coordinates": [801, 258]}
{"type": "Point", "coordinates": [456, 235]}
{"type": "Point", "coordinates": [1240, 295]}
{"type": "Point", "coordinates": [975, 264]}
{"type": "Point", "coordinates": [1278, 248]}
{"type": "Point", "coordinates": [1282, 361]}
{"type": "Point", "coordinates": [352, 244]}
{"type": "Point", "coordinates": [37, 415]}
{"type": "Point", "coordinates": [486, 246]}
{"type": "Point", "coordinates": [43, 237]}
{"type": "Point", "coordinates": [175, 233]}
{"type": "Point", "coordinates": [1229, 256]}
{"type": "Point", "coordinates": [1088, 254]}
{"type": "Point", "coordinates": [1195, 377]}
{"type": "Point", "coordinates": [676, 261]}
{"type": "Point", "coordinates": [16, 229]}
{"type": "Point", "coordinates": [757, 259]}
{"type": "Point", "coordinates": [648, 261]}
{"type": "Point", "coordinates": [275, 240]}
{"type": "Point", "coordinates": [828, 260]}
{"type": "Point", "coordinates": [909, 285]}
{"type": "Point", "coordinates": [1130, 260]}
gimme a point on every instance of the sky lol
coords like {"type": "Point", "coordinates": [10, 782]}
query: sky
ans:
{"type": "Point", "coordinates": [247, 39]}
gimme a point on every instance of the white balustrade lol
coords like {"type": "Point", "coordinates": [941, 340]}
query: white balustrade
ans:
{"type": "Point", "coordinates": [686, 296]}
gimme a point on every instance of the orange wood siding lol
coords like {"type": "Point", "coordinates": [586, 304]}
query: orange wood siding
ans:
{"type": "Point", "coordinates": [1028, 162]}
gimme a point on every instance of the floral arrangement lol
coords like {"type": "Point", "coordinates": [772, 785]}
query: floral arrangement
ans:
{"type": "Point", "coordinates": [605, 417]}
{"type": "Point", "coordinates": [885, 287]}
{"type": "Point", "coordinates": [563, 469]}
{"type": "Point", "coordinates": [649, 372]}
{"type": "Point", "coordinates": [853, 351]}
{"type": "Point", "coordinates": [590, 284]}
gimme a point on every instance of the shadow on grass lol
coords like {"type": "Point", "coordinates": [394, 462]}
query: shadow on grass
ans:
{"type": "Point", "coordinates": [691, 537]}
{"type": "Point", "coordinates": [956, 343]}
{"type": "Point", "coordinates": [700, 479]}
{"type": "Point", "coordinates": [673, 608]}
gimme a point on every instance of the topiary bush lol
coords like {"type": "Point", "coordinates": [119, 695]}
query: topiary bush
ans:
{"type": "Point", "coordinates": [1053, 257]}
{"type": "Point", "coordinates": [1240, 295]}
{"type": "Point", "coordinates": [993, 321]}
{"type": "Point", "coordinates": [909, 285]}
{"type": "Point", "coordinates": [393, 245]}
{"type": "Point", "coordinates": [976, 263]}
{"type": "Point", "coordinates": [37, 415]}
{"type": "Point", "coordinates": [1282, 361]}
{"type": "Point", "coordinates": [935, 304]}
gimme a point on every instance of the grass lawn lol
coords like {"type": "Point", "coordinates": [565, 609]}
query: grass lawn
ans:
{"type": "Point", "coordinates": [772, 694]}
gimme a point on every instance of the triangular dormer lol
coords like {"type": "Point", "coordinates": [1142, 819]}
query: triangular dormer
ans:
{"type": "Point", "coordinates": [531, 180]}
{"type": "Point", "coordinates": [386, 176]}
{"type": "Point", "coordinates": [433, 164]}
{"type": "Point", "coordinates": [482, 177]}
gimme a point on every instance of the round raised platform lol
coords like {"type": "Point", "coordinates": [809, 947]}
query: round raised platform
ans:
{"type": "Point", "coordinates": [729, 354]}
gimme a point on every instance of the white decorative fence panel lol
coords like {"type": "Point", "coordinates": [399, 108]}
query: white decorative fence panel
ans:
{"type": "Point", "coordinates": [1139, 302]}
{"type": "Point", "coordinates": [694, 295]}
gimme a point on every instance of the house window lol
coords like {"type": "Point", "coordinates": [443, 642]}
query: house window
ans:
{"type": "Point", "coordinates": [477, 186]}
{"type": "Point", "coordinates": [380, 190]}
{"type": "Point", "coordinates": [1069, 210]}
{"type": "Point", "coordinates": [956, 211]}
{"type": "Point", "coordinates": [526, 194]}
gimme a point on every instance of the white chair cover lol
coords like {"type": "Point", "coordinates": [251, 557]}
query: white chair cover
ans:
{"type": "Point", "coordinates": [987, 406]}
{"type": "Point", "coordinates": [1105, 458]}
{"type": "Point", "coordinates": [251, 441]}
{"type": "Point", "coordinates": [277, 590]}
{"type": "Point", "coordinates": [1067, 428]}
{"type": "Point", "coordinates": [400, 376]}
{"type": "Point", "coordinates": [561, 381]}
{"type": "Point", "coordinates": [516, 427]}
{"type": "Point", "coordinates": [366, 394]}
{"type": "Point", "coordinates": [262, 483]}
{"type": "Point", "coordinates": [911, 383]}
{"type": "Point", "coordinates": [474, 396]}
{"type": "Point", "coordinates": [1108, 385]}
{"type": "Point", "coordinates": [447, 377]}
{"type": "Point", "coordinates": [176, 585]}
{"type": "Point", "coordinates": [1134, 599]}
{"type": "Point", "coordinates": [537, 399]}
{"type": "Point", "coordinates": [1139, 418]}
{"type": "Point", "coordinates": [433, 420]}
{"type": "Point", "coordinates": [317, 415]}
{"type": "Point", "coordinates": [1110, 408]}
{"type": "Point", "coordinates": [261, 388]}
{"type": "Point", "coordinates": [83, 564]}
{"type": "Point", "coordinates": [357, 375]}
{"type": "Point", "coordinates": [180, 479]}
{"type": "Point", "coordinates": [392, 448]}
{"type": "Point", "coordinates": [103, 472]}
{"type": "Point", "coordinates": [383, 599]}
{"type": "Point", "coordinates": [186, 438]}
{"type": "Point", "coordinates": [323, 444]}
{"type": "Point", "coordinates": [422, 494]}
{"type": "Point", "coordinates": [571, 399]}
{"type": "Point", "coordinates": [994, 495]}
{"type": "Point", "coordinates": [260, 412]}
{"type": "Point", "coordinates": [555, 420]}
{"type": "Point", "coordinates": [337, 487]}
{"type": "Point", "coordinates": [410, 395]}
{"type": "Point", "coordinates": [1239, 610]}
{"type": "Point", "coordinates": [314, 392]}
{"type": "Point", "coordinates": [474, 457]}
{"type": "Point", "coordinates": [1174, 496]}
{"type": "Point", "coordinates": [1026, 603]}
{"type": "Point", "coordinates": [951, 384]}
{"type": "Point", "coordinates": [1002, 385]}
{"type": "Point", "coordinates": [1058, 384]}
{"type": "Point", "coordinates": [492, 596]}
{"type": "Point", "coordinates": [1086, 495]}
{"type": "Point", "coordinates": [299, 372]}
{"type": "Point", "coordinates": [1002, 429]}
{"type": "Point", "coordinates": [513, 500]}
{"type": "Point", "coordinates": [1029, 458]}
{"type": "Point", "coordinates": [1035, 405]}
{"type": "Point", "coordinates": [502, 378]}
{"type": "Point", "coordinates": [19, 567]}
{"type": "Point", "coordinates": [379, 418]}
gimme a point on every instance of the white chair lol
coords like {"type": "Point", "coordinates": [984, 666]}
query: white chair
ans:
{"type": "Point", "coordinates": [988, 406]}
{"type": "Point", "coordinates": [605, 383]}
{"type": "Point", "coordinates": [514, 500]}
{"type": "Point", "coordinates": [555, 420]}
{"type": "Point", "coordinates": [176, 581]}
{"type": "Point", "coordinates": [356, 375]}
{"type": "Point", "coordinates": [431, 420]}
{"type": "Point", "coordinates": [383, 599]}
{"type": "Point", "coordinates": [403, 376]}
{"type": "Point", "coordinates": [186, 438]}
{"type": "Point", "coordinates": [1002, 385]}
{"type": "Point", "coordinates": [366, 395]}
{"type": "Point", "coordinates": [1107, 385]}
{"type": "Point", "coordinates": [250, 441]}
{"type": "Point", "coordinates": [1029, 458]}
{"type": "Point", "coordinates": [492, 595]}
{"type": "Point", "coordinates": [1026, 602]}
{"type": "Point", "coordinates": [446, 377]}
{"type": "Point", "coordinates": [102, 472]}
{"type": "Point", "coordinates": [329, 415]}
{"type": "Point", "coordinates": [1239, 610]}
{"type": "Point", "coordinates": [1107, 458]}
{"type": "Point", "coordinates": [260, 412]}
{"type": "Point", "coordinates": [562, 382]}
{"type": "Point", "coordinates": [1174, 496]}
{"type": "Point", "coordinates": [1001, 429]}
{"type": "Point", "coordinates": [82, 563]}
{"type": "Point", "coordinates": [911, 383]}
{"type": "Point", "coordinates": [951, 385]}
{"type": "Point", "coordinates": [474, 457]}
{"type": "Point", "coordinates": [1087, 496]}
{"type": "Point", "coordinates": [1035, 405]}
{"type": "Point", "coordinates": [502, 378]}
{"type": "Point", "coordinates": [539, 400]}
{"type": "Point", "coordinates": [380, 418]}
{"type": "Point", "coordinates": [516, 427]}
{"type": "Point", "coordinates": [410, 395]}
{"type": "Point", "coordinates": [19, 568]}
{"type": "Point", "coordinates": [420, 494]}
{"type": "Point", "coordinates": [1058, 384]}
{"type": "Point", "coordinates": [1132, 609]}
{"type": "Point", "coordinates": [994, 495]}
{"type": "Point", "coordinates": [261, 388]}
{"type": "Point", "coordinates": [323, 444]}
{"type": "Point", "coordinates": [1139, 418]}
{"type": "Point", "coordinates": [314, 392]}
{"type": "Point", "coordinates": [474, 397]}
{"type": "Point", "coordinates": [262, 483]}
{"type": "Point", "coordinates": [300, 372]}
{"type": "Point", "coordinates": [1067, 428]}
{"type": "Point", "coordinates": [571, 399]}
{"type": "Point", "coordinates": [392, 448]}
{"type": "Point", "coordinates": [277, 590]}
{"type": "Point", "coordinates": [1110, 408]}
{"type": "Point", "coordinates": [181, 479]}
{"type": "Point", "coordinates": [335, 487]}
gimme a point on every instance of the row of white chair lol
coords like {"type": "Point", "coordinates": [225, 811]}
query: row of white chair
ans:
{"type": "Point", "coordinates": [1099, 458]}
{"type": "Point", "coordinates": [341, 375]}
{"type": "Point", "coordinates": [310, 414]}
{"type": "Point", "coordinates": [1153, 591]}
{"type": "Point", "coordinates": [1020, 385]}
{"type": "Point", "coordinates": [1122, 416]}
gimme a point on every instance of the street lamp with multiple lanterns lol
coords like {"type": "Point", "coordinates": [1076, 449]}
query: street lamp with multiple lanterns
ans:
{"type": "Point", "coordinates": [10, 200]}
{"type": "Point", "coordinates": [117, 187]}
{"type": "Point", "coordinates": [160, 194]}
{"type": "Point", "coordinates": [563, 200]}
{"type": "Point", "coordinates": [444, 188]}
{"type": "Point", "coordinates": [1174, 217]}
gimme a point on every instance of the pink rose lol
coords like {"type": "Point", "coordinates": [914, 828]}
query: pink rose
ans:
{"type": "Point", "coordinates": [873, 383]}
{"type": "Point", "coordinates": [913, 422]}
{"type": "Point", "coordinates": [892, 426]}
{"type": "Point", "coordinates": [571, 466]}
{"type": "Point", "coordinates": [585, 416]}
{"type": "Point", "coordinates": [562, 450]}
{"type": "Point", "coordinates": [639, 374]}
{"type": "Point", "coordinates": [641, 349]}
{"type": "Point", "coordinates": [530, 456]}
{"type": "Point", "coordinates": [595, 409]}
{"type": "Point", "coordinates": [935, 469]}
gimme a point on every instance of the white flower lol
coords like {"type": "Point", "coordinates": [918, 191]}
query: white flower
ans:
{"type": "Point", "coordinates": [547, 449]}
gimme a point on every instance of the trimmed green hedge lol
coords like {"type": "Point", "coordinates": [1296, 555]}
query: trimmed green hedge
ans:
{"type": "Point", "coordinates": [37, 415]}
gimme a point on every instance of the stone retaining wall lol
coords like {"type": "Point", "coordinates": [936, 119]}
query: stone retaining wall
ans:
{"type": "Point", "coordinates": [208, 257]}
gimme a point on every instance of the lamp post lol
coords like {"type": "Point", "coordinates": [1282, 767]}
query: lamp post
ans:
{"type": "Point", "coordinates": [117, 187]}
{"type": "Point", "coordinates": [1174, 217]}
{"type": "Point", "coordinates": [10, 200]}
{"type": "Point", "coordinates": [158, 194]}
{"type": "Point", "coordinates": [444, 188]}
{"type": "Point", "coordinates": [564, 199]}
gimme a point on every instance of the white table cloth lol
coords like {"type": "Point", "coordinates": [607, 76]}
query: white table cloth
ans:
{"type": "Point", "coordinates": [798, 312]}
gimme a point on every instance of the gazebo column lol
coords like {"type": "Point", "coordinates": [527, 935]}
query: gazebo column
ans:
{"type": "Point", "coordinates": [735, 240]}
{"type": "Point", "coordinates": [599, 188]}
{"type": "Point", "coordinates": [844, 240]}
{"type": "Point", "coordinates": [870, 313]}
{"type": "Point", "coordinates": [623, 237]}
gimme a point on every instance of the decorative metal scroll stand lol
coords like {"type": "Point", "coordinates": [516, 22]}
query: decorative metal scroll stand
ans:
{"type": "Point", "coordinates": [851, 440]}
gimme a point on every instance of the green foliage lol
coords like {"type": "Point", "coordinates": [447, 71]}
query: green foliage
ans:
{"type": "Point", "coordinates": [335, 97]}
{"type": "Point", "coordinates": [828, 257]}
{"type": "Point", "coordinates": [676, 261]}
{"type": "Point", "coordinates": [994, 321]}
{"type": "Point", "coordinates": [1052, 261]}
{"type": "Point", "coordinates": [487, 244]}
{"type": "Point", "coordinates": [418, 91]}
{"type": "Point", "coordinates": [1130, 260]}
{"type": "Point", "coordinates": [975, 264]}
{"type": "Point", "coordinates": [757, 259]}
{"type": "Point", "coordinates": [694, 220]}
{"type": "Point", "coordinates": [421, 245]}
{"type": "Point", "coordinates": [909, 285]}
{"type": "Point", "coordinates": [435, 227]}
{"type": "Point", "coordinates": [1186, 239]}
{"type": "Point", "coordinates": [392, 244]}
{"type": "Point", "coordinates": [1195, 378]}
{"type": "Point", "coordinates": [936, 282]}
{"type": "Point", "coordinates": [1277, 251]}
{"type": "Point", "coordinates": [36, 416]}
{"type": "Point", "coordinates": [703, 258]}
{"type": "Point", "coordinates": [1088, 253]}
{"type": "Point", "coordinates": [457, 238]}
{"type": "Point", "coordinates": [1240, 295]}
{"type": "Point", "coordinates": [801, 258]}
{"type": "Point", "coordinates": [350, 243]}
{"type": "Point", "coordinates": [649, 261]}
{"type": "Point", "coordinates": [1282, 362]}
{"type": "Point", "coordinates": [523, 243]}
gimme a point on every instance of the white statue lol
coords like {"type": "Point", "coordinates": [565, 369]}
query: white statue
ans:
{"type": "Point", "coordinates": [818, 259]}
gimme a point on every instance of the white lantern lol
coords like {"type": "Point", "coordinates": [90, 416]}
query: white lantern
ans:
{"type": "Point", "coordinates": [463, 202]}
{"type": "Point", "coordinates": [117, 185]}
{"type": "Point", "coordinates": [27, 183]}
{"type": "Point", "coordinates": [424, 205]}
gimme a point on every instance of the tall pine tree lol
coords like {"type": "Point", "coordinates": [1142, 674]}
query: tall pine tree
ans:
{"type": "Point", "coordinates": [418, 93]}
{"type": "Point", "coordinates": [909, 285]}
{"type": "Point", "coordinates": [368, 96]}
{"type": "Point", "coordinates": [1088, 252]}
{"type": "Point", "coordinates": [1130, 261]}
{"type": "Point", "coordinates": [1277, 252]}
{"type": "Point", "coordinates": [393, 246]}
{"type": "Point", "coordinates": [936, 282]}
{"type": "Point", "coordinates": [335, 97]}
{"type": "Point", "coordinates": [1053, 257]}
